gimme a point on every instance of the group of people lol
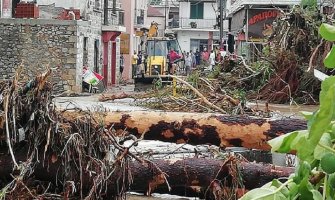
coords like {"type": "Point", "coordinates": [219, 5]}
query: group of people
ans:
{"type": "Point", "coordinates": [209, 59]}
{"type": "Point", "coordinates": [192, 60]}
{"type": "Point", "coordinates": [217, 56]}
{"type": "Point", "coordinates": [138, 63]}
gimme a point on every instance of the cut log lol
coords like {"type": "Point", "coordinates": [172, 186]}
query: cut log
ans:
{"type": "Point", "coordinates": [197, 175]}
{"type": "Point", "coordinates": [192, 176]}
{"type": "Point", "coordinates": [199, 128]}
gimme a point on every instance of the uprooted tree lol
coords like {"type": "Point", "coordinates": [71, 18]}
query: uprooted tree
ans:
{"type": "Point", "coordinates": [283, 70]}
{"type": "Point", "coordinates": [314, 177]}
{"type": "Point", "coordinates": [46, 154]}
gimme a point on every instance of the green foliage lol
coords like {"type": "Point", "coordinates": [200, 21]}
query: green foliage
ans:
{"type": "Point", "coordinates": [327, 32]}
{"type": "Point", "coordinates": [193, 79]}
{"type": "Point", "coordinates": [309, 4]}
{"type": "Point", "coordinates": [314, 147]}
{"type": "Point", "coordinates": [330, 59]}
{"type": "Point", "coordinates": [157, 84]}
{"type": "Point", "coordinates": [216, 72]}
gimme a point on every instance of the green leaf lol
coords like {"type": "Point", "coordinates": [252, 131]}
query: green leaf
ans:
{"type": "Point", "coordinates": [328, 163]}
{"type": "Point", "coordinates": [263, 194]}
{"type": "Point", "coordinates": [331, 187]}
{"type": "Point", "coordinates": [276, 183]}
{"type": "Point", "coordinates": [293, 189]}
{"type": "Point", "coordinates": [327, 32]}
{"type": "Point", "coordinates": [331, 180]}
{"type": "Point", "coordinates": [322, 118]}
{"type": "Point", "coordinates": [286, 143]}
{"type": "Point", "coordinates": [307, 192]}
{"type": "Point", "coordinates": [319, 151]}
{"type": "Point", "coordinates": [303, 170]}
{"type": "Point", "coordinates": [303, 148]}
{"type": "Point", "coordinates": [307, 115]}
{"type": "Point", "coordinates": [329, 61]}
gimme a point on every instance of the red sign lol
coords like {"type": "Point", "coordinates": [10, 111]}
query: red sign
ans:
{"type": "Point", "coordinates": [260, 23]}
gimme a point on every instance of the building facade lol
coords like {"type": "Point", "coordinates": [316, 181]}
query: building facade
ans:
{"type": "Point", "coordinates": [135, 19]}
{"type": "Point", "coordinates": [93, 43]}
{"type": "Point", "coordinates": [195, 26]}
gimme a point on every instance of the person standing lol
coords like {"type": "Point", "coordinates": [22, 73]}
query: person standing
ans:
{"type": "Point", "coordinates": [197, 57]}
{"type": "Point", "coordinates": [211, 60]}
{"type": "Point", "coordinates": [139, 63]}
{"type": "Point", "coordinates": [145, 63]}
{"type": "Point", "coordinates": [188, 63]}
{"type": "Point", "coordinates": [193, 59]}
{"type": "Point", "coordinates": [134, 64]}
{"type": "Point", "coordinates": [172, 57]}
{"type": "Point", "coordinates": [121, 64]}
{"type": "Point", "coordinates": [205, 55]}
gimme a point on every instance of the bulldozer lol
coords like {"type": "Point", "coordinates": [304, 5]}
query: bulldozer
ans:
{"type": "Point", "coordinates": [156, 51]}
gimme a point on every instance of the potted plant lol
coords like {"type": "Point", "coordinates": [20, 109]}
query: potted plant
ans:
{"type": "Point", "coordinates": [193, 24]}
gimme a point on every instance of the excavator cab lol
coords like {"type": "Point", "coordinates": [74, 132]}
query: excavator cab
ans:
{"type": "Point", "coordinates": [157, 50]}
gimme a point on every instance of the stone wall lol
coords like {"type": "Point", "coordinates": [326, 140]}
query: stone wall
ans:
{"type": "Point", "coordinates": [38, 44]}
{"type": "Point", "coordinates": [91, 31]}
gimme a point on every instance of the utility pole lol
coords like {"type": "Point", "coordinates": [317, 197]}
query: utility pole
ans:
{"type": "Point", "coordinates": [221, 23]}
{"type": "Point", "coordinates": [165, 15]}
{"type": "Point", "coordinates": [106, 12]}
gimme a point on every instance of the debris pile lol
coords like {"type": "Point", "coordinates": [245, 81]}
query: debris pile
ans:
{"type": "Point", "coordinates": [48, 153]}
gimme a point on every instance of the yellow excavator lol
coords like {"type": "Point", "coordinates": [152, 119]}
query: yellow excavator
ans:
{"type": "Point", "coordinates": [156, 52]}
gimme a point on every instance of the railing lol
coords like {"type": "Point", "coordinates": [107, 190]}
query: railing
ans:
{"type": "Point", "coordinates": [116, 19]}
{"type": "Point", "coordinates": [193, 23]}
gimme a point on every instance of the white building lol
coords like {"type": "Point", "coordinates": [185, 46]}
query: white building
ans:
{"type": "Point", "coordinates": [195, 25]}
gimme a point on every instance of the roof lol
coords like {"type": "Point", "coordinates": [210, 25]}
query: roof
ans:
{"type": "Point", "coordinates": [154, 12]}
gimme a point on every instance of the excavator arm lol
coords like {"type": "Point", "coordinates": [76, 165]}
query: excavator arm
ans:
{"type": "Point", "coordinates": [153, 31]}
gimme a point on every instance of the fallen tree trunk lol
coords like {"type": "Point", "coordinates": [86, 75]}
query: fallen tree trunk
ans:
{"type": "Point", "coordinates": [195, 175]}
{"type": "Point", "coordinates": [198, 128]}
{"type": "Point", "coordinates": [192, 176]}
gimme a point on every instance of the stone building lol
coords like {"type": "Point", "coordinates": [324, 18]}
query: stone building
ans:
{"type": "Point", "coordinates": [90, 40]}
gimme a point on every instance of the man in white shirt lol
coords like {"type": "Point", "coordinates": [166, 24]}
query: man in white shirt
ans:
{"type": "Point", "coordinates": [211, 60]}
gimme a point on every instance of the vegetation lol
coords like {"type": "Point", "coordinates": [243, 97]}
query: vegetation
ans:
{"type": "Point", "coordinates": [314, 177]}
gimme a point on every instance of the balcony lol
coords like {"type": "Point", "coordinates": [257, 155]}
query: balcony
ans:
{"type": "Point", "coordinates": [187, 23]}
{"type": "Point", "coordinates": [115, 22]}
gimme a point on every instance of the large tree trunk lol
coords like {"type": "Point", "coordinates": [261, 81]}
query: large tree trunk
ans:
{"type": "Point", "coordinates": [192, 176]}
{"type": "Point", "coordinates": [197, 175]}
{"type": "Point", "coordinates": [199, 128]}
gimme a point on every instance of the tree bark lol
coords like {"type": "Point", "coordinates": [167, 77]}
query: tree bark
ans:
{"type": "Point", "coordinates": [195, 175]}
{"type": "Point", "coordinates": [199, 128]}
{"type": "Point", "coordinates": [191, 176]}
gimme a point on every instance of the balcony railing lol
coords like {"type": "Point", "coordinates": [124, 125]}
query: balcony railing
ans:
{"type": "Point", "coordinates": [193, 23]}
{"type": "Point", "coordinates": [115, 21]}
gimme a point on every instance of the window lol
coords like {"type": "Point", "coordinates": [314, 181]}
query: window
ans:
{"type": "Point", "coordinates": [155, 2]}
{"type": "Point", "coordinates": [140, 19]}
{"type": "Point", "coordinates": [198, 44]}
{"type": "Point", "coordinates": [121, 18]}
{"type": "Point", "coordinates": [97, 4]}
{"type": "Point", "coordinates": [96, 56]}
{"type": "Point", "coordinates": [197, 10]}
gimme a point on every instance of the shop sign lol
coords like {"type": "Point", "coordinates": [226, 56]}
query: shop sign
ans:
{"type": "Point", "coordinates": [260, 23]}
{"type": "Point", "coordinates": [124, 43]}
